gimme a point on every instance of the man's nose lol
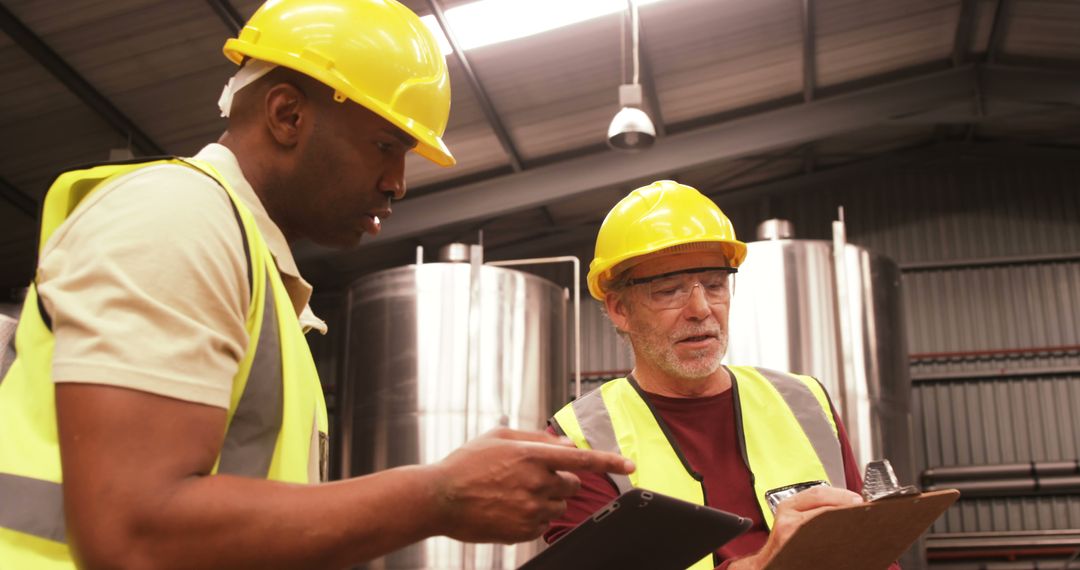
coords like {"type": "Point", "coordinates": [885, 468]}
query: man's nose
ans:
{"type": "Point", "coordinates": [697, 306]}
{"type": "Point", "coordinates": [392, 182]}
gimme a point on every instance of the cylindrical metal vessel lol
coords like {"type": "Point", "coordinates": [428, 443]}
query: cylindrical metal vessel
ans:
{"type": "Point", "coordinates": [438, 354]}
{"type": "Point", "coordinates": [794, 309]}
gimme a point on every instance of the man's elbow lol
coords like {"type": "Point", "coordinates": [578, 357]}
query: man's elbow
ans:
{"type": "Point", "coordinates": [101, 547]}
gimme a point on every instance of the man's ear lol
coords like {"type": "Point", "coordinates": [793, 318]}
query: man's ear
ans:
{"type": "Point", "coordinates": [287, 113]}
{"type": "Point", "coordinates": [618, 310]}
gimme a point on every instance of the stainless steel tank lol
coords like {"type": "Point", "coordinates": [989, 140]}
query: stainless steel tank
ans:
{"type": "Point", "coordinates": [831, 310]}
{"type": "Point", "coordinates": [439, 353]}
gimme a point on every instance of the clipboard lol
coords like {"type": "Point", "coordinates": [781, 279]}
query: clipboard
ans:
{"type": "Point", "coordinates": [642, 529]}
{"type": "Point", "coordinates": [869, 536]}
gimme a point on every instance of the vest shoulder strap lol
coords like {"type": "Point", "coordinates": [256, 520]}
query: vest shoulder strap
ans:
{"type": "Point", "coordinates": [587, 423]}
{"type": "Point", "coordinates": [73, 186]}
{"type": "Point", "coordinates": [810, 405]}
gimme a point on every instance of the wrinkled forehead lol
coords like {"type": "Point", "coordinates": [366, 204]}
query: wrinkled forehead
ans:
{"type": "Point", "coordinates": [660, 263]}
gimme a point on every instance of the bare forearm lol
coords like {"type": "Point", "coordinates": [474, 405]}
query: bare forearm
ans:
{"type": "Point", "coordinates": [129, 504]}
{"type": "Point", "coordinates": [233, 522]}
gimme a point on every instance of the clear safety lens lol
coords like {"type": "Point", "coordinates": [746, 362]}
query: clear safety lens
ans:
{"type": "Point", "coordinates": [673, 290]}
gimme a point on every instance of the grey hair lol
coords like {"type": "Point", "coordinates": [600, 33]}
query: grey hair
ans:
{"type": "Point", "coordinates": [618, 286]}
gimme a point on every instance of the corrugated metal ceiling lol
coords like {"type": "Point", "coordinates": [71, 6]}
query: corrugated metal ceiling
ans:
{"type": "Point", "coordinates": [159, 63]}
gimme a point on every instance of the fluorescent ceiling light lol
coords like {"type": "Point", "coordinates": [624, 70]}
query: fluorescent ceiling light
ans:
{"type": "Point", "coordinates": [488, 22]}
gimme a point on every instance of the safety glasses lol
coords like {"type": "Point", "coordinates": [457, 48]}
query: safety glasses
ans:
{"type": "Point", "coordinates": [672, 290]}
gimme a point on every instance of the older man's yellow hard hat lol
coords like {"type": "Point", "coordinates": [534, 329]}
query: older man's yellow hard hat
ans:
{"type": "Point", "coordinates": [663, 217]}
{"type": "Point", "coordinates": [374, 52]}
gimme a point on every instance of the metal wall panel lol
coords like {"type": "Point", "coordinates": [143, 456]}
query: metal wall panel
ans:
{"type": "Point", "coordinates": [1011, 515]}
{"type": "Point", "coordinates": [958, 209]}
{"type": "Point", "coordinates": [971, 211]}
{"type": "Point", "coordinates": [992, 421]}
{"type": "Point", "coordinates": [994, 308]}
{"type": "Point", "coordinates": [1013, 420]}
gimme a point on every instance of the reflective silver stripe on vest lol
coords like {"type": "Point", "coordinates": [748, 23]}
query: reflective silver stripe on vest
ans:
{"type": "Point", "coordinates": [253, 433]}
{"type": "Point", "coordinates": [812, 419]}
{"type": "Point", "coordinates": [592, 416]}
{"type": "Point", "coordinates": [32, 506]}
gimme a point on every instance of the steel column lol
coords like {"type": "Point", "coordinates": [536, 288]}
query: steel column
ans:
{"type": "Point", "coordinates": [965, 25]}
{"type": "Point", "coordinates": [228, 14]}
{"type": "Point", "coordinates": [997, 31]}
{"type": "Point", "coordinates": [22, 202]}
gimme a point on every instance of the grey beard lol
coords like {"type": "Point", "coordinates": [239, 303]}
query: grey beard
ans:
{"type": "Point", "coordinates": [664, 358]}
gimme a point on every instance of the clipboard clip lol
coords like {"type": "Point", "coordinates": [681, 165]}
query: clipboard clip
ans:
{"type": "Point", "coordinates": [775, 496]}
{"type": "Point", "coordinates": [880, 482]}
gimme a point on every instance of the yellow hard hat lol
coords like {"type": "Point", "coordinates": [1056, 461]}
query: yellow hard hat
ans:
{"type": "Point", "coordinates": [375, 52]}
{"type": "Point", "coordinates": [663, 216]}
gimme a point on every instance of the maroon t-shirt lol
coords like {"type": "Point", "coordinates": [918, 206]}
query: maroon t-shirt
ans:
{"type": "Point", "coordinates": [704, 429]}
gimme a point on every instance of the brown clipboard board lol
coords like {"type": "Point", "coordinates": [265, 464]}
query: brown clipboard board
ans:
{"type": "Point", "coordinates": [870, 536]}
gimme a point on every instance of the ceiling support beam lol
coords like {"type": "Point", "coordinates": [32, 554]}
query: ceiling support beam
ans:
{"type": "Point", "coordinates": [798, 152]}
{"type": "Point", "coordinates": [965, 27]}
{"type": "Point", "coordinates": [17, 198]}
{"type": "Point", "coordinates": [228, 14]}
{"type": "Point", "coordinates": [911, 100]}
{"type": "Point", "coordinates": [478, 89]}
{"type": "Point", "coordinates": [809, 50]}
{"type": "Point", "coordinates": [1030, 85]}
{"type": "Point", "coordinates": [586, 233]}
{"type": "Point", "coordinates": [62, 71]}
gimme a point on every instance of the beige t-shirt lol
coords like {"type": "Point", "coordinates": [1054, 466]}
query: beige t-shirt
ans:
{"type": "Point", "coordinates": [147, 287]}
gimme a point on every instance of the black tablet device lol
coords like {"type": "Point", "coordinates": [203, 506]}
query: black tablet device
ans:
{"type": "Point", "coordinates": [642, 529]}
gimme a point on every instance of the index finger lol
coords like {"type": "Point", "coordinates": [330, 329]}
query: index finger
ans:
{"type": "Point", "coordinates": [531, 436]}
{"type": "Point", "coordinates": [816, 497]}
{"type": "Point", "coordinates": [573, 459]}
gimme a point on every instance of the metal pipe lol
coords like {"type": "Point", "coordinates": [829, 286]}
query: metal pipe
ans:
{"type": "Point", "coordinates": [1037, 350]}
{"type": "Point", "coordinates": [977, 547]}
{"type": "Point", "coordinates": [1027, 486]}
{"type": "Point", "coordinates": [976, 560]}
{"type": "Point", "coordinates": [577, 303]}
{"type": "Point", "coordinates": [472, 342]}
{"type": "Point", "coordinates": [995, 374]}
{"type": "Point", "coordinates": [1013, 539]}
{"type": "Point", "coordinates": [605, 374]}
{"type": "Point", "coordinates": [1034, 469]}
{"type": "Point", "coordinates": [989, 262]}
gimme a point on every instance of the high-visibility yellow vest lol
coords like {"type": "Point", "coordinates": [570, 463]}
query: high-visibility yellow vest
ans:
{"type": "Point", "coordinates": [277, 422]}
{"type": "Point", "coordinates": [787, 435]}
